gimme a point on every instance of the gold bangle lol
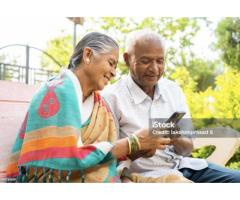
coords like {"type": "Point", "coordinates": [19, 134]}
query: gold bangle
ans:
{"type": "Point", "coordinates": [137, 140]}
{"type": "Point", "coordinates": [133, 144]}
{"type": "Point", "coordinates": [129, 146]}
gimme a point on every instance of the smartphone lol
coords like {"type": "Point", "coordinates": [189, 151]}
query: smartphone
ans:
{"type": "Point", "coordinates": [175, 117]}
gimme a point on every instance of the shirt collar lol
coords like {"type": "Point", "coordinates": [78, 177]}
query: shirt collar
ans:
{"type": "Point", "coordinates": [139, 95]}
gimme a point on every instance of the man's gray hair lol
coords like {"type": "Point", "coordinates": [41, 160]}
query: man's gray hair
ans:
{"type": "Point", "coordinates": [137, 35]}
{"type": "Point", "coordinates": [98, 42]}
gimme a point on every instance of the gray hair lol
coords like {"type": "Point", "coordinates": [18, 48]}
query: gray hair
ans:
{"type": "Point", "coordinates": [98, 42]}
{"type": "Point", "coordinates": [134, 36]}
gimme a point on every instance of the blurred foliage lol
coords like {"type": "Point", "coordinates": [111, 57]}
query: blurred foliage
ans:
{"type": "Point", "coordinates": [221, 100]}
{"type": "Point", "coordinates": [234, 162]}
{"type": "Point", "coordinates": [203, 152]}
{"type": "Point", "coordinates": [234, 165]}
{"type": "Point", "coordinates": [2, 57]}
{"type": "Point", "coordinates": [228, 35]}
{"type": "Point", "coordinates": [227, 95]}
{"type": "Point", "coordinates": [7, 73]}
{"type": "Point", "coordinates": [61, 49]}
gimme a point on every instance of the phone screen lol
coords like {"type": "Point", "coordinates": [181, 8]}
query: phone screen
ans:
{"type": "Point", "coordinates": [176, 117]}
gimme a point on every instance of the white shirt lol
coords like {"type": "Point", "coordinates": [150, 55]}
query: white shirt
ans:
{"type": "Point", "coordinates": [132, 108]}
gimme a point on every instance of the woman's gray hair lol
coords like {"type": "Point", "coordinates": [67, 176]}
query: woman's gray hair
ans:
{"type": "Point", "coordinates": [98, 42]}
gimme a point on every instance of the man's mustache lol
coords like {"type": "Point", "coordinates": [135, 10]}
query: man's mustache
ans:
{"type": "Point", "coordinates": [152, 74]}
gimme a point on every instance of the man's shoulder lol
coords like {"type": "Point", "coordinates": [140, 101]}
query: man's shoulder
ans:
{"type": "Point", "coordinates": [168, 84]}
{"type": "Point", "coordinates": [115, 88]}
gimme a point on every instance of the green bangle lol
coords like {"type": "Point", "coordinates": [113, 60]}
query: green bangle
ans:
{"type": "Point", "coordinates": [129, 146]}
{"type": "Point", "coordinates": [137, 140]}
{"type": "Point", "coordinates": [133, 144]}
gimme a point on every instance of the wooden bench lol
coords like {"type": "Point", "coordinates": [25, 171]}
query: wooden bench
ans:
{"type": "Point", "coordinates": [14, 101]}
{"type": "Point", "coordinates": [224, 147]}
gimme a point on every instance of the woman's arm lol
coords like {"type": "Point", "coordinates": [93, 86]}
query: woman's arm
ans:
{"type": "Point", "coordinates": [121, 148]}
{"type": "Point", "coordinates": [147, 142]}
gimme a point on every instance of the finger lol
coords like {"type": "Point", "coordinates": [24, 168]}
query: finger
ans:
{"type": "Point", "coordinates": [164, 140]}
{"type": "Point", "coordinates": [162, 147]}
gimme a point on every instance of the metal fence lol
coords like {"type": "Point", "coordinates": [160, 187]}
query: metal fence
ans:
{"type": "Point", "coordinates": [18, 73]}
{"type": "Point", "coordinates": [26, 73]}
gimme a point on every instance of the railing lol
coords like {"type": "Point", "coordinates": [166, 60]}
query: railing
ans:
{"type": "Point", "coordinates": [27, 73]}
{"type": "Point", "coordinates": [18, 73]}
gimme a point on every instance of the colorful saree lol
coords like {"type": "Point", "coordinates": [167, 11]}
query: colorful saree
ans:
{"type": "Point", "coordinates": [53, 145]}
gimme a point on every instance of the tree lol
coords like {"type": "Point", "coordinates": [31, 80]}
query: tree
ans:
{"type": "Point", "coordinates": [8, 67]}
{"type": "Point", "coordinates": [61, 49]}
{"type": "Point", "coordinates": [227, 96]}
{"type": "Point", "coordinates": [203, 72]}
{"type": "Point", "coordinates": [228, 35]}
{"type": "Point", "coordinates": [199, 102]}
{"type": "Point", "coordinates": [178, 33]}
{"type": "Point", "coordinates": [2, 57]}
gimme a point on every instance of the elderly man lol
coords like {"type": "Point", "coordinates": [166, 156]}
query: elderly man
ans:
{"type": "Point", "coordinates": [144, 94]}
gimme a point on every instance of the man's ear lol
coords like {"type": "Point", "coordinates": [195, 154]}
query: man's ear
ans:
{"type": "Point", "coordinates": [87, 53]}
{"type": "Point", "coordinates": [126, 58]}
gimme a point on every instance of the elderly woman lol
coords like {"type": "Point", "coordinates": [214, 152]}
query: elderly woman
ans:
{"type": "Point", "coordinates": [68, 133]}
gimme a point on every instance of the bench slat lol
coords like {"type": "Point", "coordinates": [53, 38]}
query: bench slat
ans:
{"type": "Point", "coordinates": [14, 102]}
{"type": "Point", "coordinates": [14, 91]}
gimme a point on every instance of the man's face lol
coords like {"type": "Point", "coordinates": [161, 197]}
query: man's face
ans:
{"type": "Point", "coordinates": [146, 62]}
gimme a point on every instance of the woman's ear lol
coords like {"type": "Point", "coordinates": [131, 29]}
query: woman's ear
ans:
{"type": "Point", "coordinates": [87, 54]}
{"type": "Point", "coordinates": [126, 58]}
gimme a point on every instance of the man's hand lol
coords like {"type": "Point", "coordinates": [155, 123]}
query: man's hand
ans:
{"type": "Point", "coordinates": [150, 141]}
{"type": "Point", "coordinates": [182, 146]}
{"type": "Point", "coordinates": [149, 153]}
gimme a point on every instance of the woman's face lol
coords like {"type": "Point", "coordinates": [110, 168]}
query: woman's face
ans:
{"type": "Point", "coordinates": [102, 68]}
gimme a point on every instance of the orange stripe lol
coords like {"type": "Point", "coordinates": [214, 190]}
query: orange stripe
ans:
{"type": "Point", "coordinates": [48, 142]}
{"type": "Point", "coordinates": [14, 157]}
{"type": "Point", "coordinates": [51, 131]}
{"type": "Point", "coordinates": [12, 168]}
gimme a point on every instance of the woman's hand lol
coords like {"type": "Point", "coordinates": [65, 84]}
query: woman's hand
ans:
{"type": "Point", "coordinates": [142, 153]}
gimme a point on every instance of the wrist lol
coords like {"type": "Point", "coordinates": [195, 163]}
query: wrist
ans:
{"type": "Point", "coordinates": [134, 145]}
